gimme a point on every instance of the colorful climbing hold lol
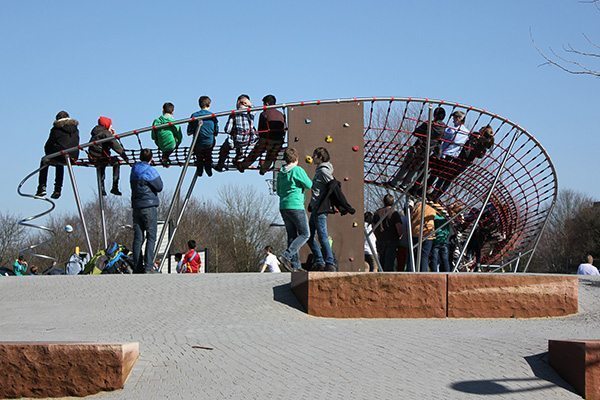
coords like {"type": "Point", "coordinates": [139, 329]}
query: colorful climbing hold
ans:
{"type": "Point", "coordinates": [355, 148]}
{"type": "Point", "coordinates": [308, 160]}
{"type": "Point", "coordinates": [346, 124]}
{"type": "Point", "coordinates": [307, 121]}
{"type": "Point", "coordinates": [328, 139]}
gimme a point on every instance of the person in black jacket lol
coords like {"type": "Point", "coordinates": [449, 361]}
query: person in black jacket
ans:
{"type": "Point", "coordinates": [323, 258]}
{"type": "Point", "coordinates": [414, 161]}
{"type": "Point", "coordinates": [100, 153]}
{"type": "Point", "coordinates": [63, 135]}
{"type": "Point", "coordinates": [271, 135]}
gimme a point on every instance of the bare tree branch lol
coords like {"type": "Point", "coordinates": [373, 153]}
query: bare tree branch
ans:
{"type": "Point", "coordinates": [559, 62]}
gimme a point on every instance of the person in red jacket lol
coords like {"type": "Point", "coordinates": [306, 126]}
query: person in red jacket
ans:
{"type": "Point", "coordinates": [191, 260]}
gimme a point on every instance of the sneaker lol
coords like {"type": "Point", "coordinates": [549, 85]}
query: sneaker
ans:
{"type": "Point", "coordinates": [55, 194]}
{"type": "Point", "coordinates": [330, 268]}
{"type": "Point", "coordinates": [116, 191]}
{"type": "Point", "coordinates": [219, 168]}
{"type": "Point", "coordinates": [240, 167]}
{"type": "Point", "coordinates": [318, 267]}
{"type": "Point", "coordinates": [41, 191]}
{"type": "Point", "coordinates": [285, 263]}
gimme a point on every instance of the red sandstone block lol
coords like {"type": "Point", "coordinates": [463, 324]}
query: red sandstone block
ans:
{"type": "Point", "coordinates": [511, 295]}
{"type": "Point", "coordinates": [578, 362]}
{"type": "Point", "coordinates": [59, 369]}
{"type": "Point", "coordinates": [371, 295]}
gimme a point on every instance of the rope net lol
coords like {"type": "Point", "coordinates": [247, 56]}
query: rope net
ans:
{"type": "Point", "coordinates": [520, 200]}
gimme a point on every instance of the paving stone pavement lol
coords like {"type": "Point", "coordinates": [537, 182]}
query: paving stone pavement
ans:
{"type": "Point", "coordinates": [265, 347]}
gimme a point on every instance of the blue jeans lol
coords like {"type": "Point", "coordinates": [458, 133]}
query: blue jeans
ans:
{"type": "Point", "coordinates": [321, 249]}
{"type": "Point", "coordinates": [425, 251]}
{"type": "Point", "coordinates": [439, 257]}
{"type": "Point", "coordinates": [387, 254]}
{"type": "Point", "coordinates": [296, 227]}
{"type": "Point", "coordinates": [144, 225]}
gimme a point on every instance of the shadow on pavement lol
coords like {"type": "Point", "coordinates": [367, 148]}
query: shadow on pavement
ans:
{"type": "Point", "coordinates": [283, 294]}
{"type": "Point", "coordinates": [590, 282]}
{"type": "Point", "coordinates": [540, 368]}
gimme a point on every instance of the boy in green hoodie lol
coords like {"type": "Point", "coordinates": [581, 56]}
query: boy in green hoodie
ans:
{"type": "Point", "coordinates": [292, 182]}
{"type": "Point", "coordinates": [167, 138]}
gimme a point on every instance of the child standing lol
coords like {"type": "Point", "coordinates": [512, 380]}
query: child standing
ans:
{"type": "Point", "coordinates": [169, 137]}
{"type": "Point", "coordinates": [240, 128]}
{"type": "Point", "coordinates": [292, 182]}
{"type": "Point", "coordinates": [100, 153]}
{"type": "Point", "coordinates": [271, 264]}
{"type": "Point", "coordinates": [206, 136]}
{"type": "Point", "coordinates": [370, 254]}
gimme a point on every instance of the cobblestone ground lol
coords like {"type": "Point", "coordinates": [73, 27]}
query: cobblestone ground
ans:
{"type": "Point", "coordinates": [265, 347]}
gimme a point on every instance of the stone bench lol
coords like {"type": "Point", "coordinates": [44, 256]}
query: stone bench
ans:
{"type": "Point", "coordinates": [59, 369]}
{"type": "Point", "coordinates": [578, 362]}
{"type": "Point", "coordinates": [435, 295]}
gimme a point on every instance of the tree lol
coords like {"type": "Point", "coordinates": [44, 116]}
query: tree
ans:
{"type": "Point", "coordinates": [572, 231]}
{"type": "Point", "coordinates": [11, 237]}
{"type": "Point", "coordinates": [574, 60]}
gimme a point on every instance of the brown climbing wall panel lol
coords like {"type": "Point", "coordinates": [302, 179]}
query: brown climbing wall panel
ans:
{"type": "Point", "coordinates": [309, 127]}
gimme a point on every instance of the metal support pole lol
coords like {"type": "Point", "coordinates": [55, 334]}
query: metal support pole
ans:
{"type": "Point", "coordinates": [411, 253]}
{"type": "Point", "coordinates": [424, 185]}
{"type": "Point", "coordinates": [79, 206]}
{"type": "Point", "coordinates": [537, 240]}
{"type": "Point", "coordinates": [101, 204]}
{"type": "Point", "coordinates": [517, 263]}
{"type": "Point", "coordinates": [373, 251]}
{"type": "Point", "coordinates": [181, 211]}
{"type": "Point", "coordinates": [510, 261]}
{"type": "Point", "coordinates": [487, 198]}
{"type": "Point", "coordinates": [163, 231]}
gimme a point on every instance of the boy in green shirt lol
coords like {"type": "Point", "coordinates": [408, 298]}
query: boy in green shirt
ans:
{"type": "Point", "coordinates": [292, 182]}
{"type": "Point", "coordinates": [20, 266]}
{"type": "Point", "coordinates": [167, 138]}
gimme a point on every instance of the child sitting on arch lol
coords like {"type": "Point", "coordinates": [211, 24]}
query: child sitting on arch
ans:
{"type": "Point", "coordinates": [169, 137]}
{"type": "Point", "coordinates": [240, 127]}
{"type": "Point", "coordinates": [206, 136]}
{"type": "Point", "coordinates": [100, 153]}
{"type": "Point", "coordinates": [63, 135]}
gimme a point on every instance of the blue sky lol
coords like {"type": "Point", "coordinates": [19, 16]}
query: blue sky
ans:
{"type": "Point", "coordinates": [124, 59]}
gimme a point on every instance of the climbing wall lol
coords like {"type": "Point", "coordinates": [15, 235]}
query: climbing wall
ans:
{"type": "Point", "coordinates": [339, 128]}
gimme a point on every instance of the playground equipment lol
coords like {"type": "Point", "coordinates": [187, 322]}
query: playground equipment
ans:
{"type": "Point", "coordinates": [509, 192]}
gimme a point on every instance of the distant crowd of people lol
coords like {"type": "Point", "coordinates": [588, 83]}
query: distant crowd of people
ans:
{"type": "Point", "coordinates": [388, 236]}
